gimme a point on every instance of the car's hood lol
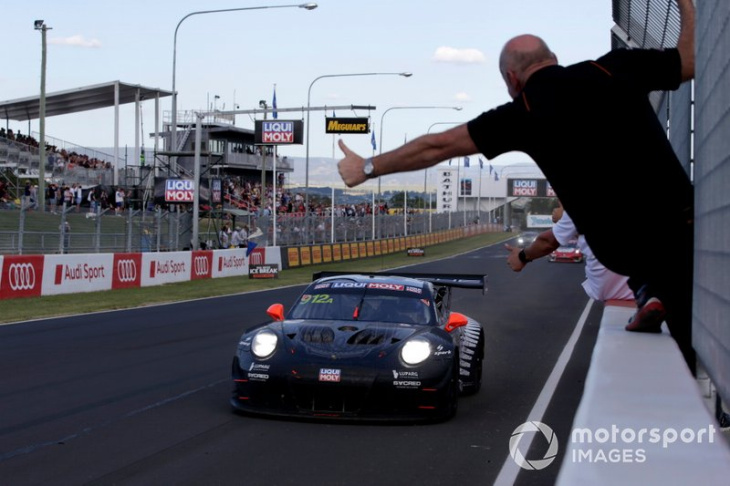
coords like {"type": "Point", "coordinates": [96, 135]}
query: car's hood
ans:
{"type": "Point", "coordinates": [346, 338]}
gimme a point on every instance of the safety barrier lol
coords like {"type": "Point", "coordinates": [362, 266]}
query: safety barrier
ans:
{"type": "Point", "coordinates": [642, 419]}
{"type": "Point", "coordinates": [301, 256]}
{"type": "Point", "coordinates": [39, 275]}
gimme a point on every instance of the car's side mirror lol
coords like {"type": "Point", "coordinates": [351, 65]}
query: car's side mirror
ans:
{"type": "Point", "coordinates": [456, 320]}
{"type": "Point", "coordinates": [276, 312]}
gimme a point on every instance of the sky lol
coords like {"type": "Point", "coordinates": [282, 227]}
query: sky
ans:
{"type": "Point", "coordinates": [239, 58]}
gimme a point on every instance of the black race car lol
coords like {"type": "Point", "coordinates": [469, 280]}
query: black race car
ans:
{"type": "Point", "coordinates": [380, 346]}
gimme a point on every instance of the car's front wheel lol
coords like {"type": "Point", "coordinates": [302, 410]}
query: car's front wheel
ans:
{"type": "Point", "coordinates": [471, 358]}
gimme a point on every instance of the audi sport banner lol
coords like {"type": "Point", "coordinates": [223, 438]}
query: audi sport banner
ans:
{"type": "Point", "coordinates": [21, 276]}
{"type": "Point", "coordinates": [127, 270]}
{"type": "Point", "coordinates": [202, 265]}
{"type": "Point", "coordinates": [64, 274]}
{"type": "Point", "coordinates": [347, 125]}
{"type": "Point", "coordinates": [36, 275]}
{"type": "Point", "coordinates": [278, 132]}
{"type": "Point", "coordinates": [163, 268]}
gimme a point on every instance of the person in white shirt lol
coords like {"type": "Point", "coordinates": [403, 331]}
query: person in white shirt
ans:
{"type": "Point", "coordinates": [236, 238]}
{"type": "Point", "coordinates": [601, 284]}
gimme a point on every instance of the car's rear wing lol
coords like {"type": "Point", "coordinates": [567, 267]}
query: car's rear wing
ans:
{"type": "Point", "coordinates": [464, 281]}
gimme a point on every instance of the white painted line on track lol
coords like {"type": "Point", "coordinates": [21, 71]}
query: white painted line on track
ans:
{"type": "Point", "coordinates": [510, 469]}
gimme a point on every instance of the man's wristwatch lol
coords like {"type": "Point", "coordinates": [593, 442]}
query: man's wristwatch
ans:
{"type": "Point", "coordinates": [368, 169]}
{"type": "Point", "coordinates": [523, 257]}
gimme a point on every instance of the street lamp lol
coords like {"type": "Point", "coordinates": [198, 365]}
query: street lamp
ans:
{"type": "Point", "coordinates": [173, 138]}
{"type": "Point", "coordinates": [41, 25]}
{"type": "Point", "coordinates": [309, 97]}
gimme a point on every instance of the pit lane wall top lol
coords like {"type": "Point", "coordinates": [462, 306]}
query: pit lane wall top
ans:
{"type": "Point", "coordinates": [37, 275]}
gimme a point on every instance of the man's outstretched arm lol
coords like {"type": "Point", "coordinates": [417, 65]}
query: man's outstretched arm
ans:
{"type": "Point", "coordinates": [420, 153]}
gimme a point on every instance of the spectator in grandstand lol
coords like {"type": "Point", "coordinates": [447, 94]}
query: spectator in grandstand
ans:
{"type": "Point", "coordinates": [119, 201]}
{"type": "Point", "coordinates": [243, 236]}
{"type": "Point", "coordinates": [104, 199]}
{"type": "Point", "coordinates": [51, 196]}
{"type": "Point", "coordinates": [26, 195]}
{"type": "Point", "coordinates": [236, 238]}
{"type": "Point", "coordinates": [557, 115]}
{"type": "Point", "coordinates": [78, 196]}
{"type": "Point", "coordinates": [92, 201]}
{"type": "Point", "coordinates": [223, 237]}
{"type": "Point", "coordinates": [68, 197]}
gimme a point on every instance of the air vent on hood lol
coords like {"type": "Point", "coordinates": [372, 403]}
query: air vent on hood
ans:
{"type": "Point", "coordinates": [317, 334]}
{"type": "Point", "coordinates": [366, 336]}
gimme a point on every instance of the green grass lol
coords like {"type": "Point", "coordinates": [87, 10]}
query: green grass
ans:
{"type": "Point", "coordinates": [14, 310]}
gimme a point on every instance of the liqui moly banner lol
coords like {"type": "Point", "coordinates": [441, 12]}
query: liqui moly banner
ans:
{"type": "Point", "coordinates": [179, 191]}
{"type": "Point", "coordinates": [163, 268]}
{"type": "Point", "coordinates": [67, 274]}
{"type": "Point", "coordinates": [21, 276]}
{"type": "Point", "coordinates": [230, 263]}
{"type": "Point", "coordinates": [278, 132]}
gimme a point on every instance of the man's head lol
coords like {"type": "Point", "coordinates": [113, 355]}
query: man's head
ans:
{"type": "Point", "coordinates": [521, 56]}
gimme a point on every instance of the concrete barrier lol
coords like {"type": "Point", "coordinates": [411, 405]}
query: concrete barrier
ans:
{"type": "Point", "coordinates": [642, 418]}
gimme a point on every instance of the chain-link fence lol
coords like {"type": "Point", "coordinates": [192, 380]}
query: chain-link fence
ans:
{"type": "Point", "coordinates": [72, 230]}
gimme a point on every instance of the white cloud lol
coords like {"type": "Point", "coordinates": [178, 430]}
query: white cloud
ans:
{"type": "Point", "coordinates": [75, 41]}
{"type": "Point", "coordinates": [462, 97]}
{"type": "Point", "coordinates": [458, 56]}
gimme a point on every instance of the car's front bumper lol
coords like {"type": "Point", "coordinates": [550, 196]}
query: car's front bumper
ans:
{"type": "Point", "coordinates": [353, 392]}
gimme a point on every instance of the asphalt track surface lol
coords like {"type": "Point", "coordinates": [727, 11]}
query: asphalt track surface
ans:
{"type": "Point", "coordinates": [140, 397]}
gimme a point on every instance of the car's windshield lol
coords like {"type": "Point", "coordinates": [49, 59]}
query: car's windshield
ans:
{"type": "Point", "coordinates": [388, 303]}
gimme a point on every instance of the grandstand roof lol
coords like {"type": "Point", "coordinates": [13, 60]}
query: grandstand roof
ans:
{"type": "Point", "coordinates": [77, 99]}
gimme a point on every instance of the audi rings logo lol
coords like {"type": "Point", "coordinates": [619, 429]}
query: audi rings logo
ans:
{"type": "Point", "coordinates": [535, 464]}
{"type": "Point", "coordinates": [201, 266]}
{"type": "Point", "coordinates": [126, 270]}
{"type": "Point", "coordinates": [256, 258]}
{"type": "Point", "coordinates": [21, 276]}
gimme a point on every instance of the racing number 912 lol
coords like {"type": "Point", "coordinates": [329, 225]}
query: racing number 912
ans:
{"type": "Point", "coordinates": [316, 299]}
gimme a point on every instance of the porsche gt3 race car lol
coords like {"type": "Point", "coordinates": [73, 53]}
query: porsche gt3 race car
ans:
{"type": "Point", "coordinates": [363, 346]}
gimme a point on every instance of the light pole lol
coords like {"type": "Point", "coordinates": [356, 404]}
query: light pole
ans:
{"type": "Point", "coordinates": [41, 25]}
{"type": "Point", "coordinates": [457, 108]}
{"type": "Point", "coordinates": [173, 137]}
{"type": "Point", "coordinates": [309, 98]}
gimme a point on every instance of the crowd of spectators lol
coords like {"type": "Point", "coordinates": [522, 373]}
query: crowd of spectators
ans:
{"type": "Point", "coordinates": [247, 194]}
{"type": "Point", "coordinates": [58, 159]}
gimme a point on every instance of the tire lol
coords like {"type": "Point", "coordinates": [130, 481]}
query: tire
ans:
{"type": "Point", "coordinates": [471, 358]}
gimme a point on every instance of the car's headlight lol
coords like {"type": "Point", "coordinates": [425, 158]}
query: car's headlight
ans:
{"type": "Point", "coordinates": [264, 343]}
{"type": "Point", "coordinates": [415, 351]}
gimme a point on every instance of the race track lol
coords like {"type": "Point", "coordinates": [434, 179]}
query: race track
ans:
{"type": "Point", "coordinates": [140, 397]}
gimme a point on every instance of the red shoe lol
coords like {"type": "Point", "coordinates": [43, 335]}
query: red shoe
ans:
{"type": "Point", "coordinates": [649, 318]}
